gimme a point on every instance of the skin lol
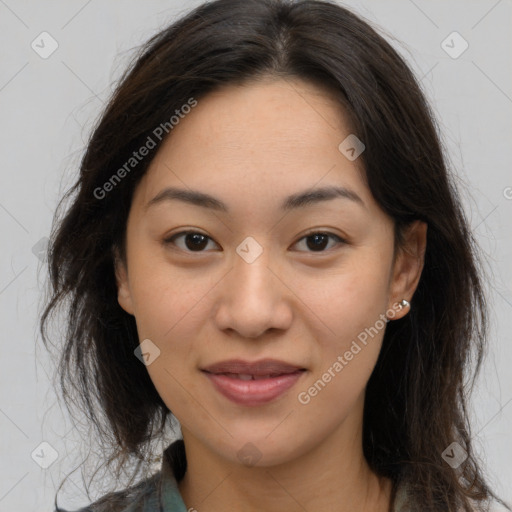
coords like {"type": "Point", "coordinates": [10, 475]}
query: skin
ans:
{"type": "Point", "coordinates": [251, 146]}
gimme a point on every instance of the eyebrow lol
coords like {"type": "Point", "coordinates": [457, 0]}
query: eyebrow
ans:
{"type": "Point", "coordinates": [299, 200]}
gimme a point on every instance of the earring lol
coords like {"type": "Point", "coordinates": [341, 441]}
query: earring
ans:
{"type": "Point", "coordinates": [404, 304]}
{"type": "Point", "coordinates": [401, 305]}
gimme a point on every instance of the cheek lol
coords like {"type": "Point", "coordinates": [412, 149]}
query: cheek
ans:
{"type": "Point", "coordinates": [349, 306]}
{"type": "Point", "coordinates": [170, 309]}
{"type": "Point", "coordinates": [348, 299]}
{"type": "Point", "coordinates": [167, 300]}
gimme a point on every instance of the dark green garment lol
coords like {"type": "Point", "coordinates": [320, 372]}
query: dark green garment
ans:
{"type": "Point", "coordinates": [160, 493]}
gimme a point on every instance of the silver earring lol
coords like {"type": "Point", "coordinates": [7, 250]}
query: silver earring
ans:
{"type": "Point", "coordinates": [404, 304]}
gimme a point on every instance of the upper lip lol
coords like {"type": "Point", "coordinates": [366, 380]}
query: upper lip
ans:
{"type": "Point", "coordinates": [261, 367]}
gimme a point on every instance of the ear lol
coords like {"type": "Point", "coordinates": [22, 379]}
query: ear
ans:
{"type": "Point", "coordinates": [407, 267]}
{"type": "Point", "coordinates": [124, 296]}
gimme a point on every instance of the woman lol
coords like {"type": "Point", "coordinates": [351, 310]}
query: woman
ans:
{"type": "Point", "coordinates": [265, 243]}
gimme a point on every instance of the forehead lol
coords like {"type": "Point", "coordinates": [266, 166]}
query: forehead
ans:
{"type": "Point", "coordinates": [265, 138]}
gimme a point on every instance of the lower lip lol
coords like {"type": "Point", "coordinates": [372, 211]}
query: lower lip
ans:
{"type": "Point", "coordinates": [253, 392]}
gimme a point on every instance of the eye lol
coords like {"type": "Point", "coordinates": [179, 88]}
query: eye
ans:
{"type": "Point", "coordinates": [190, 241]}
{"type": "Point", "coordinates": [318, 241]}
{"type": "Point", "coordinates": [194, 241]}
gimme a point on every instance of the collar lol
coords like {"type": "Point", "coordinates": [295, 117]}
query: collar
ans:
{"type": "Point", "coordinates": [169, 497]}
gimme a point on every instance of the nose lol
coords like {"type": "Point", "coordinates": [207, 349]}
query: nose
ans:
{"type": "Point", "coordinates": [252, 299]}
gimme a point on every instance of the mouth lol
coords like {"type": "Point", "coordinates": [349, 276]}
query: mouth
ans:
{"type": "Point", "coordinates": [253, 383]}
{"type": "Point", "coordinates": [263, 368]}
{"type": "Point", "coordinates": [247, 376]}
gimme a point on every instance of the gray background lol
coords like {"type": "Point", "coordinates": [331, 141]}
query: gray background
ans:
{"type": "Point", "coordinates": [47, 109]}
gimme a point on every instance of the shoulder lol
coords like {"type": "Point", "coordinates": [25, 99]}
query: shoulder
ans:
{"type": "Point", "coordinates": [158, 492]}
{"type": "Point", "coordinates": [138, 498]}
{"type": "Point", "coordinates": [401, 498]}
{"type": "Point", "coordinates": [403, 502]}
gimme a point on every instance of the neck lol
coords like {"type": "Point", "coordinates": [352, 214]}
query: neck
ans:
{"type": "Point", "coordinates": [333, 475]}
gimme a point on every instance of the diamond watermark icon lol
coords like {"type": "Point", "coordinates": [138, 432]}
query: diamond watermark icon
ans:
{"type": "Point", "coordinates": [44, 45]}
{"type": "Point", "coordinates": [454, 455]}
{"type": "Point", "coordinates": [147, 352]}
{"type": "Point", "coordinates": [39, 249]}
{"type": "Point", "coordinates": [44, 455]}
{"type": "Point", "coordinates": [249, 249]}
{"type": "Point", "coordinates": [249, 454]}
{"type": "Point", "coordinates": [351, 147]}
{"type": "Point", "coordinates": [454, 45]}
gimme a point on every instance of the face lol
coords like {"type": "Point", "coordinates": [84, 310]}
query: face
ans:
{"type": "Point", "coordinates": [264, 274]}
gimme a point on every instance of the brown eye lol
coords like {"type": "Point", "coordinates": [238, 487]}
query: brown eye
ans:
{"type": "Point", "coordinates": [190, 241]}
{"type": "Point", "coordinates": [319, 241]}
{"type": "Point", "coordinates": [195, 241]}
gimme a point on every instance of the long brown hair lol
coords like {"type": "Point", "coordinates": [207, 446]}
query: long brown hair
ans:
{"type": "Point", "coordinates": [417, 396]}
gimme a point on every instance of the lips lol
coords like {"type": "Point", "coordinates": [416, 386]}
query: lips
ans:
{"type": "Point", "coordinates": [252, 370]}
{"type": "Point", "coordinates": [253, 384]}
{"type": "Point", "coordinates": [246, 376]}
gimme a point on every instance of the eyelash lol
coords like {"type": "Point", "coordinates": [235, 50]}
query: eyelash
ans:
{"type": "Point", "coordinates": [171, 239]}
